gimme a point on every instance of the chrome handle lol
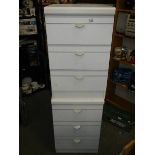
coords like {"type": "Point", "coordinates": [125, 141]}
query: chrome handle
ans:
{"type": "Point", "coordinates": [77, 141]}
{"type": "Point", "coordinates": [80, 77]}
{"type": "Point", "coordinates": [79, 53]}
{"type": "Point", "coordinates": [77, 127]}
{"type": "Point", "coordinates": [79, 25]}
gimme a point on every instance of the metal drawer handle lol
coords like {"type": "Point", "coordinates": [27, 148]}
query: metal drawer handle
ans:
{"type": "Point", "coordinates": [79, 25]}
{"type": "Point", "coordinates": [77, 110]}
{"type": "Point", "coordinates": [77, 141]}
{"type": "Point", "coordinates": [80, 77]}
{"type": "Point", "coordinates": [79, 53]}
{"type": "Point", "coordinates": [77, 127]}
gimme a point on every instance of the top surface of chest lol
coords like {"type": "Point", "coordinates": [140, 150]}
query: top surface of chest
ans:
{"type": "Point", "coordinates": [78, 9]}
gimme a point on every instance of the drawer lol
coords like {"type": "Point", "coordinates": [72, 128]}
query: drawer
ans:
{"type": "Point", "coordinates": [52, 19]}
{"type": "Point", "coordinates": [79, 57]}
{"type": "Point", "coordinates": [74, 48]}
{"type": "Point", "coordinates": [75, 84]}
{"type": "Point", "coordinates": [77, 115]}
{"type": "Point", "coordinates": [82, 95]}
{"type": "Point", "coordinates": [78, 130]}
{"type": "Point", "coordinates": [75, 104]}
{"type": "Point", "coordinates": [79, 34]}
{"type": "Point", "coordinates": [78, 82]}
{"type": "Point", "coordinates": [77, 151]}
{"type": "Point", "coordinates": [73, 113]}
{"type": "Point", "coordinates": [79, 60]}
{"type": "Point", "coordinates": [66, 103]}
{"type": "Point", "coordinates": [77, 144]}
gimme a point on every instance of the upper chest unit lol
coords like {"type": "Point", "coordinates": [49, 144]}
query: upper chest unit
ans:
{"type": "Point", "coordinates": [79, 24]}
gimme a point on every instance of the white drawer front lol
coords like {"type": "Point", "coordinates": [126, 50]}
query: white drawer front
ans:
{"type": "Point", "coordinates": [77, 130]}
{"type": "Point", "coordinates": [77, 150]}
{"type": "Point", "coordinates": [78, 73]}
{"type": "Point", "coordinates": [77, 115]}
{"type": "Point", "coordinates": [79, 34]}
{"type": "Point", "coordinates": [76, 105]}
{"type": "Point", "coordinates": [51, 19]}
{"type": "Point", "coordinates": [92, 103]}
{"type": "Point", "coordinates": [76, 143]}
{"type": "Point", "coordinates": [78, 83]}
{"type": "Point", "coordinates": [79, 60]}
{"type": "Point", "coordinates": [75, 48]}
{"type": "Point", "coordinates": [75, 84]}
{"type": "Point", "coordinates": [83, 95]}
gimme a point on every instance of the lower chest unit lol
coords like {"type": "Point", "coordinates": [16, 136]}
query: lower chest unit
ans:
{"type": "Point", "coordinates": [77, 126]}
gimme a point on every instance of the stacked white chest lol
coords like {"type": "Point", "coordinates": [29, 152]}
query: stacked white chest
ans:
{"type": "Point", "coordinates": [79, 42]}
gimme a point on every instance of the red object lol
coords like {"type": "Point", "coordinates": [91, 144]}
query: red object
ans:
{"type": "Point", "coordinates": [132, 61]}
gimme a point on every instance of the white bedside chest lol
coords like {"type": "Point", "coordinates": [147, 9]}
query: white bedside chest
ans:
{"type": "Point", "coordinates": [79, 41]}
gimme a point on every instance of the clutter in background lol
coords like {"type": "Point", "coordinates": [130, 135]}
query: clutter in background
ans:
{"type": "Point", "coordinates": [29, 86]}
{"type": "Point", "coordinates": [124, 76]}
{"type": "Point", "coordinates": [27, 26]}
{"type": "Point", "coordinates": [124, 54]}
{"type": "Point", "coordinates": [30, 46]}
{"type": "Point", "coordinates": [118, 117]}
{"type": "Point", "coordinates": [126, 24]}
{"type": "Point", "coordinates": [48, 2]}
{"type": "Point", "coordinates": [27, 9]}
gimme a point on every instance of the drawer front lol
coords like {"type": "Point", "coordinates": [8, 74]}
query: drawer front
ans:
{"type": "Point", "coordinates": [78, 83]}
{"type": "Point", "coordinates": [75, 104]}
{"type": "Point", "coordinates": [79, 34]}
{"type": "Point", "coordinates": [77, 115]}
{"type": "Point", "coordinates": [77, 150]}
{"type": "Point", "coordinates": [83, 95]}
{"type": "Point", "coordinates": [64, 103]}
{"type": "Point", "coordinates": [77, 130]}
{"type": "Point", "coordinates": [76, 143]}
{"type": "Point", "coordinates": [75, 48]}
{"type": "Point", "coordinates": [75, 84]}
{"type": "Point", "coordinates": [51, 19]}
{"type": "Point", "coordinates": [79, 60]}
